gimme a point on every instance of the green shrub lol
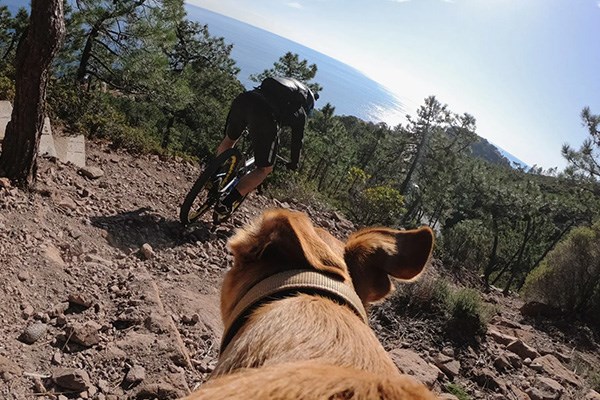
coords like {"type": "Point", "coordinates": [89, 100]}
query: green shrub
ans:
{"type": "Point", "coordinates": [287, 186]}
{"type": "Point", "coordinates": [468, 315]}
{"type": "Point", "coordinates": [68, 102]}
{"type": "Point", "coordinates": [423, 295]}
{"type": "Point", "coordinates": [569, 277]}
{"type": "Point", "coordinates": [460, 312]}
{"type": "Point", "coordinates": [382, 205]}
{"type": "Point", "coordinates": [135, 140]}
{"type": "Point", "coordinates": [466, 303]}
{"type": "Point", "coordinates": [458, 391]}
{"type": "Point", "coordinates": [463, 305]}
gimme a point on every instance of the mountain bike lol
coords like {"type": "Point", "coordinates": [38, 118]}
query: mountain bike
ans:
{"type": "Point", "coordinates": [219, 177]}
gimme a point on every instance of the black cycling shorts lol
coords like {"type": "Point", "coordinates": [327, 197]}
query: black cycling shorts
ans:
{"type": "Point", "coordinates": [250, 110]}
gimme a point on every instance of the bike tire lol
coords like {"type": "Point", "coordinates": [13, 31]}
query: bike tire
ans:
{"type": "Point", "coordinates": [186, 213]}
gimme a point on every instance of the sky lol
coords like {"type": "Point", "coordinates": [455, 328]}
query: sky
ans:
{"type": "Point", "coordinates": [523, 68]}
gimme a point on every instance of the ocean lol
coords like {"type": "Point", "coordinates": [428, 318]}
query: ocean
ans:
{"type": "Point", "coordinates": [347, 89]}
{"type": "Point", "coordinates": [254, 50]}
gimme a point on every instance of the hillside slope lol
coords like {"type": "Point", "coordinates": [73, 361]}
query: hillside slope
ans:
{"type": "Point", "coordinates": [106, 293]}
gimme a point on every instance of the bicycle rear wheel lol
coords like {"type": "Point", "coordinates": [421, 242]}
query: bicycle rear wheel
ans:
{"type": "Point", "coordinates": [208, 187]}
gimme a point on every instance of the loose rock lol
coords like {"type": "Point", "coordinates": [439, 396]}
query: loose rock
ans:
{"type": "Point", "coordinates": [33, 333]}
{"type": "Point", "coordinates": [135, 375]}
{"type": "Point", "coordinates": [91, 172]}
{"type": "Point", "coordinates": [83, 334]}
{"type": "Point", "coordinates": [147, 252]}
{"type": "Point", "coordinates": [73, 379]}
{"type": "Point", "coordinates": [522, 349]}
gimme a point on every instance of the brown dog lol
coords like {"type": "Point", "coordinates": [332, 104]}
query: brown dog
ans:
{"type": "Point", "coordinates": [293, 309]}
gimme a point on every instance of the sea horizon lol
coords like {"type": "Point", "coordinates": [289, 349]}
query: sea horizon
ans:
{"type": "Point", "coordinates": [349, 90]}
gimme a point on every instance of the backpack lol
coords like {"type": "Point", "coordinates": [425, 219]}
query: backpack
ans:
{"type": "Point", "coordinates": [286, 95]}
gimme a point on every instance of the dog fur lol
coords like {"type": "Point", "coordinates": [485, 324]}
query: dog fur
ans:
{"type": "Point", "coordinates": [308, 346]}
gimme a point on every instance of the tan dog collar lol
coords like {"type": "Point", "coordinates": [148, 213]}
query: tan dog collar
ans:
{"type": "Point", "coordinates": [285, 284]}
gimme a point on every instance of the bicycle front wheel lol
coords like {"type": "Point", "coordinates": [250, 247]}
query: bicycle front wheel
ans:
{"type": "Point", "coordinates": [207, 189]}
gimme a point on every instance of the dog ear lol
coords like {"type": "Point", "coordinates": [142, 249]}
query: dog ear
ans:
{"type": "Point", "coordinates": [375, 253]}
{"type": "Point", "coordinates": [286, 239]}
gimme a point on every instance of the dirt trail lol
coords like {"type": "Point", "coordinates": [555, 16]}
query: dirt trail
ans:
{"type": "Point", "coordinates": [104, 295]}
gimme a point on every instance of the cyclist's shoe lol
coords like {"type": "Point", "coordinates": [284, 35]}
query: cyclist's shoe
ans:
{"type": "Point", "coordinates": [222, 212]}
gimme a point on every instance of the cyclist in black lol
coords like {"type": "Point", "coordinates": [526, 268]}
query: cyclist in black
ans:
{"type": "Point", "coordinates": [276, 102]}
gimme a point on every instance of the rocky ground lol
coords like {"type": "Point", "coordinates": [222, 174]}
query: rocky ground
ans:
{"type": "Point", "coordinates": [104, 295]}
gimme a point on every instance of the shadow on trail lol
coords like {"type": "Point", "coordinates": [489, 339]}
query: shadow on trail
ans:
{"type": "Point", "coordinates": [130, 230]}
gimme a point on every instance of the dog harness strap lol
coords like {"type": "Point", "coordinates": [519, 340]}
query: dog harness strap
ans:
{"type": "Point", "coordinates": [295, 281]}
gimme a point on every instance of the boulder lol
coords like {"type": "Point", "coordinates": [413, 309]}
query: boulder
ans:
{"type": "Point", "coordinates": [487, 379]}
{"type": "Point", "coordinates": [52, 254]}
{"type": "Point", "coordinates": [554, 368]}
{"type": "Point", "coordinates": [91, 172]}
{"type": "Point", "coordinates": [5, 183]}
{"type": "Point", "coordinates": [447, 365]}
{"type": "Point", "coordinates": [409, 362]}
{"type": "Point", "coordinates": [550, 388]}
{"type": "Point", "coordinates": [502, 364]}
{"type": "Point", "coordinates": [522, 349]}
{"type": "Point", "coordinates": [499, 337]}
{"type": "Point", "coordinates": [518, 394]}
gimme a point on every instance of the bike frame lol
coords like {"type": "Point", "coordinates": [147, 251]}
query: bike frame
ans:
{"type": "Point", "coordinates": [243, 171]}
{"type": "Point", "coordinates": [241, 165]}
{"type": "Point", "coordinates": [249, 163]}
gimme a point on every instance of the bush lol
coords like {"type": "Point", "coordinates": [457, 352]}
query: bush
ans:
{"type": "Point", "coordinates": [291, 187]}
{"type": "Point", "coordinates": [458, 391]}
{"type": "Point", "coordinates": [569, 277]}
{"type": "Point", "coordinates": [460, 312]}
{"type": "Point", "coordinates": [423, 295]}
{"type": "Point", "coordinates": [469, 316]}
{"type": "Point", "coordinates": [377, 205]}
{"type": "Point", "coordinates": [135, 140]}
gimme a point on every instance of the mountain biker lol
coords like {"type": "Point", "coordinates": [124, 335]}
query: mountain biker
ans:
{"type": "Point", "coordinates": [278, 101]}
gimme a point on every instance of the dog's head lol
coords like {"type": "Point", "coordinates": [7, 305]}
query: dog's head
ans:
{"type": "Point", "coordinates": [284, 240]}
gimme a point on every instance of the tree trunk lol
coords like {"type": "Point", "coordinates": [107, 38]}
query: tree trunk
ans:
{"type": "Point", "coordinates": [35, 52]}
{"type": "Point", "coordinates": [545, 253]}
{"type": "Point", "coordinates": [514, 271]}
{"type": "Point", "coordinates": [409, 213]}
{"type": "Point", "coordinates": [87, 53]}
{"type": "Point", "coordinates": [315, 172]}
{"type": "Point", "coordinates": [416, 160]}
{"type": "Point", "coordinates": [489, 268]}
{"type": "Point", "coordinates": [338, 186]}
{"type": "Point", "coordinates": [166, 139]}
{"type": "Point", "coordinates": [323, 176]}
